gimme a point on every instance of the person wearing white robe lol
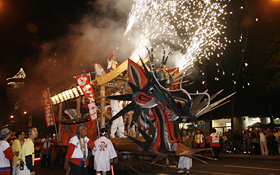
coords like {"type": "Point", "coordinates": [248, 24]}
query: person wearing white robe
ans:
{"type": "Point", "coordinates": [185, 162]}
{"type": "Point", "coordinates": [103, 154]}
{"type": "Point", "coordinates": [117, 124]}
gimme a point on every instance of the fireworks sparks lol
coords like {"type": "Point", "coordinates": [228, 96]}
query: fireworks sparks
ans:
{"type": "Point", "coordinates": [193, 27]}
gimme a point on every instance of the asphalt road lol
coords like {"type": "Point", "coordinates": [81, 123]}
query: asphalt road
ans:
{"type": "Point", "coordinates": [223, 166]}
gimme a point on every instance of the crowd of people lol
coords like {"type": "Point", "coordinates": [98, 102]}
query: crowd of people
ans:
{"type": "Point", "coordinates": [256, 141]}
{"type": "Point", "coordinates": [18, 155]}
{"type": "Point", "coordinates": [21, 153]}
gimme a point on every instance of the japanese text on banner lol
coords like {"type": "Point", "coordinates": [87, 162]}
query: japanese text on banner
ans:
{"type": "Point", "coordinates": [83, 82]}
{"type": "Point", "coordinates": [48, 108]}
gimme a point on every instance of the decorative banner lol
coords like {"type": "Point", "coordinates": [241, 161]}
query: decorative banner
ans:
{"type": "Point", "coordinates": [48, 108]}
{"type": "Point", "coordinates": [83, 82]}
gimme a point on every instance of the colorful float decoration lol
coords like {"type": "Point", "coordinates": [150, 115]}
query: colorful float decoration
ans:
{"type": "Point", "coordinates": [158, 107]}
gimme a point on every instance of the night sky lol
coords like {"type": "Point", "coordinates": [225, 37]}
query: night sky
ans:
{"type": "Point", "coordinates": [33, 31]}
{"type": "Point", "coordinates": [24, 27]}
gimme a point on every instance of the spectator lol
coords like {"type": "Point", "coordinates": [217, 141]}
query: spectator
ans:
{"type": "Point", "coordinates": [237, 137]}
{"type": "Point", "coordinates": [263, 143]}
{"type": "Point", "coordinates": [58, 151]}
{"type": "Point", "coordinates": [199, 141]}
{"type": "Point", "coordinates": [215, 142]}
{"type": "Point", "coordinates": [225, 140]}
{"type": "Point", "coordinates": [237, 140]}
{"type": "Point", "coordinates": [103, 154]}
{"type": "Point", "coordinates": [78, 152]}
{"type": "Point", "coordinates": [246, 139]}
{"type": "Point", "coordinates": [278, 141]}
{"type": "Point", "coordinates": [46, 151]}
{"type": "Point", "coordinates": [27, 154]}
{"type": "Point", "coordinates": [273, 143]}
{"type": "Point", "coordinates": [16, 149]}
{"type": "Point", "coordinates": [6, 154]}
{"type": "Point", "coordinates": [255, 139]}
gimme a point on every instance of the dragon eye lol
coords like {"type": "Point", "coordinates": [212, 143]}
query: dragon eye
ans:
{"type": "Point", "coordinates": [152, 89]}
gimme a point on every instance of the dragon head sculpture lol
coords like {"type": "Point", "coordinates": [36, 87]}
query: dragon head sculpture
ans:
{"type": "Point", "coordinates": [156, 108]}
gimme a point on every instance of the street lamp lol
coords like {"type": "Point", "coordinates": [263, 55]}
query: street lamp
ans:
{"type": "Point", "coordinates": [24, 112]}
{"type": "Point", "coordinates": [12, 116]}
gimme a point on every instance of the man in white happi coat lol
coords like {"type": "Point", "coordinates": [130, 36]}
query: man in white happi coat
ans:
{"type": "Point", "coordinates": [112, 63]}
{"type": "Point", "coordinates": [117, 124]}
{"type": "Point", "coordinates": [103, 154]}
{"type": "Point", "coordinates": [77, 154]}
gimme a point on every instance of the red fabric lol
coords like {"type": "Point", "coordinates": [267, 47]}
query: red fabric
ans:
{"type": "Point", "coordinates": [9, 154]}
{"type": "Point", "coordinates": [74, 130]}
{"type": "Point", "coordinates": [85, 106]}
{"type": "Point", "coordinates": [92, 130]}
{"type": "Point", "coordinates": [7, 172]}
{"type": "Point", "coordinates": [90, 143]}
{"type": "Point", "coordinates": [215, 144]}
{"type": "Point", "coordinates": [64, 136]}
{"type": "Point", "coordinates": [111, 57]}
{"type": "Point", "coordinates": [70, 151]}
{"type": "Point", "coordinates": [48, 108]}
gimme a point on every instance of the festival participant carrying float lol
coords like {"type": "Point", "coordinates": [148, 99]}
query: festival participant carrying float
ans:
{"type": "Point", "coordinates": [117, 124]}
{"type": "Point", "coordinates": [103, 154]}
{"type": "Point", "coordinates": [77, 154]}
{"type": "Point", "coordinates": [112, 63]}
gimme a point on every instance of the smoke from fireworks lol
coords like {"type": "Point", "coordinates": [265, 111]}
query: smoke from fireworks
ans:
{"type": "Point", "coordinates": [192, 27]}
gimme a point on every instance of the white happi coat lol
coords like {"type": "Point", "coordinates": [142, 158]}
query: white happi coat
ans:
{"type": "Point", "coordinates": [117, 124]}
{"type": "Point", "coordinates": [103, 153]}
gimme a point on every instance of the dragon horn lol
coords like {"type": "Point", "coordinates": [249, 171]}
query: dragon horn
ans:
{"type": "Point", "coordinates": [167, 56]}
{"type": "Point", "coordinates": [151, 60]}
{"type": "Point", "coordinates": [162, 62]}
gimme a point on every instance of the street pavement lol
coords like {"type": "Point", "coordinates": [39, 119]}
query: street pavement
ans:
{"type": "Point", "coordinates": [228, 164]}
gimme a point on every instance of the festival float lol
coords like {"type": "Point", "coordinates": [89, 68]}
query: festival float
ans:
{"type": "Point", "coordinates": [153, 97]}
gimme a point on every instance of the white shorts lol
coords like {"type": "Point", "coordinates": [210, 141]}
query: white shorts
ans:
{"type": "Point", "coordinates": [25, 170]}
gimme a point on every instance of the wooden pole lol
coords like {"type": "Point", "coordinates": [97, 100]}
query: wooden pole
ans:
{"type": "Point", "coordinates": [125, 162]}
{"type": "Point", "coordinates": [102, 106]}
{"type": "Point", "coordinates": [78, 107]}
{"type": "Point", "coordinates": [59, 122]}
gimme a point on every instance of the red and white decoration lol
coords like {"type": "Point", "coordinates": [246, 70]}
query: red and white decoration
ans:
{"type": "Point", "coordinates": [48, 108]}
{"type": "Point", "coordinates": [84, 83]}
